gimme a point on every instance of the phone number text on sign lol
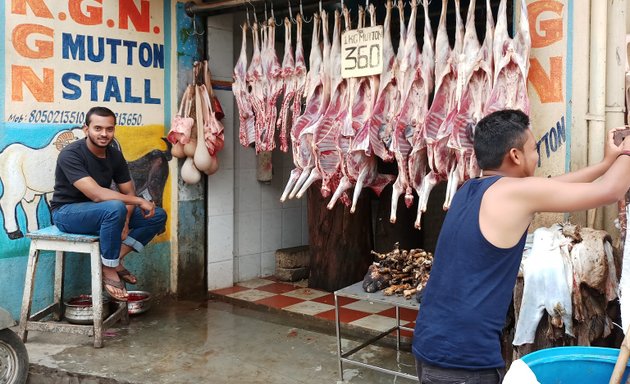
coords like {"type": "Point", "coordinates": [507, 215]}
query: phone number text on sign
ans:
{"type": "Point", "coordinates": [362, 51]}
{"type": "Point", "coordinates": [69, 117]}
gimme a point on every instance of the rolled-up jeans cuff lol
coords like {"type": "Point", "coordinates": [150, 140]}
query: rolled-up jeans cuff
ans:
{"type": "Point", "coordinates": [112, 263]}
{"type": "Point", "coordinates": [133, 243]}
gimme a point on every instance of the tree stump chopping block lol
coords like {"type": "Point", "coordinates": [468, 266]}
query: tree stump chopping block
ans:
{"type": "Point", "coordinates": [340, 241]}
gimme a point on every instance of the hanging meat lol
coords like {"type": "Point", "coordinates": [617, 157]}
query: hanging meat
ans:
{"type": "Point", "coordinates": [300, 71]}
{"type": "Point", "coordinates": [473, 90]}
{"type": "Point", "coordinates": [359, 167]}
{"type": "Point", "coordinates": [272, 88]}
{"type": "Point", "coordinates": [418, 158]}
{"type": "Point", "coordinates": [317, 97]}
{"type": "Point", "coordinates": [355, 102]}
{"type": "Point", "coordinates": [288, 85]}
{"type": "Point", "coordinates": [388, 96]}
{"type": "Point", "coordinates": [314, 120]}
{"type": "Point", "coordinates": [241, 94]}
{"type": "Point", "coordinates": [511, 63]}
{"type": "Point", "coordinates": [327, 160]}
{"type": "Point", "coordinates": [435, 133]}
{"type": "Point", "coordinates": [256, 94]}
{"type": "Point", "coordinates": [415, 83]}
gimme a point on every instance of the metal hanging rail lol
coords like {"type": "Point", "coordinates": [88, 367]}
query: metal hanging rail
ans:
{"type": "Point", "coordinates": [226, 6]}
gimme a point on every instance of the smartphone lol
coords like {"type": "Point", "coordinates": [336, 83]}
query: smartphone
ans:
{"type": "Point", "coordinates": [618, 136]}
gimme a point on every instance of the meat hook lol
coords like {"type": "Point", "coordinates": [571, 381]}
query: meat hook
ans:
{"type": "Point", "coordinates": [291, 13]}
{"type": "Point", "coordinates": [194, 28]}
{"type": "Point", "coordinates": [273, 17]}
{"type": "Point", "coordinates": [266, 17]}
{"type": "Point", "coordinates": [306, 20]}
{"type": "Point", "coordinates": [254, 11]}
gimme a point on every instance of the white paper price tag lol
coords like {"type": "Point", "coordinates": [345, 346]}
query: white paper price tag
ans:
{"type": "Point", "coordinates": [362, 52]}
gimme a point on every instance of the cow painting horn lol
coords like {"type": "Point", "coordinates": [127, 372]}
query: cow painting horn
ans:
{"type": "Point", "coordinates": [169, 147]}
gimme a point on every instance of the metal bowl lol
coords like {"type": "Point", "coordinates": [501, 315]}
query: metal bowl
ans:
{"type": "Point", "coordinates": [78, 310]}
{"type": "Point", "coordinates": [138, 302]}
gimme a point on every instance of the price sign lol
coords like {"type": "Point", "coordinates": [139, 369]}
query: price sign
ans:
{"type": "Point", "coordinates": [362, 52]}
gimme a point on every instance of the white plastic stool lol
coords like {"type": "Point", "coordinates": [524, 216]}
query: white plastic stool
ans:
{"type": "Point", "coordinates": [52, 239]}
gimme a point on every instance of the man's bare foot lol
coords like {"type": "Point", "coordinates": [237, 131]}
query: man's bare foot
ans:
{"type": "Point", "coordinates": [113, 285]}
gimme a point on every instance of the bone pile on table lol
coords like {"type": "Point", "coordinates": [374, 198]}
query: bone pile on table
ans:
{"type": "Point", "coordinates": [399, 272]}
{"type": "Point", "coordinates": [340, 128]}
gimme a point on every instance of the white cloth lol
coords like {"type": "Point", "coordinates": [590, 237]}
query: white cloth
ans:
{"type": "Point", "coordinates": [546, 285]}
{"type": "Point", "coordinates": [520, 373]}
{"type": "Point", "coordinates": [624, 283]}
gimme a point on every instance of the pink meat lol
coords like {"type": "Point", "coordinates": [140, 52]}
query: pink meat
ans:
{"type": "Point", "coordinates": [241, 94]}
{"type": "Point", "coordinates": [256, 95]}
{"type": "Point", "coordinates": [300, 71]}
{"type": "Point", "coordinates": [473, 90]}
{"type": "Point", "coordinates": [317, 96]}
{"type": "Point", "coordinates": [272, 88]}
{"type": "Point", "coordinates": [415, 84]}
{"type": "Point", "coordinates": [326, 131]}
{"type": "Point", "coordinates": [435, 132]}
{"type": "Point", "coordinates": [388, 97]}
{"type": "Point", "coordinates": [418, 158]}
{"type": "Point", "coordinates": [288, 85]}
{"type": "Point", "coordinates": [359, 169]}
{"type": "Point", "coordinates": [511, 64]}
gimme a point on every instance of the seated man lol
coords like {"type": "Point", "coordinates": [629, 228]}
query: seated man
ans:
{"type": "Point", "coordinates": [83, 203]}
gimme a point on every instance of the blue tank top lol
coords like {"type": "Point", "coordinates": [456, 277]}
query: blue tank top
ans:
{"type": "Point", "coordinates": [465, 302]}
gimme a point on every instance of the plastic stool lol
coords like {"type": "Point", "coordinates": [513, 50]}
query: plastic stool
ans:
{"type": "Point", "coordinates": [52, 239]}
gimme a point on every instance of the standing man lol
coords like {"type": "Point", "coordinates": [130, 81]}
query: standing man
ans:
{"type": "Point", "coordinates": [479, 250]}
{"type": "Point", "coordinates": [83, 202]}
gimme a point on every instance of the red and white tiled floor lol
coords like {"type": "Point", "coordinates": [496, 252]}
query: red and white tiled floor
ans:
{"type": "Point", "coordinates": [320, 304]}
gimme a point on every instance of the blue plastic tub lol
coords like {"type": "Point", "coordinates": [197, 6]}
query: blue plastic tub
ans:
{"type": "Point", "coordinates": [574, 365]}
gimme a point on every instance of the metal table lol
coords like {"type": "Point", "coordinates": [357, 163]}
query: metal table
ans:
{"type": "Point", "coordinates": [355, 291]}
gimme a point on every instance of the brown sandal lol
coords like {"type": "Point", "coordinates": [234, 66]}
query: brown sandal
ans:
{"type": "Point", "coordinates": [109, 286]}
{"type": "Point", "coordinates": [127, 276]}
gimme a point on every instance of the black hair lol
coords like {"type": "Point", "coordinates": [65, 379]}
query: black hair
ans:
{"type": "Point", "coordinates": [99, 111]}
{"type": "Point", "coordinates": [496, 134]}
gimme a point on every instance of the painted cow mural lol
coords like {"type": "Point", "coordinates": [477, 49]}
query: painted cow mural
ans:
{"type": "Point", "coordinates": [28, 176]}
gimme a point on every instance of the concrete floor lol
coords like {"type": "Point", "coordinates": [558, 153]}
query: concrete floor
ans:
{"type": "Point", "coordinates": [207, 342]}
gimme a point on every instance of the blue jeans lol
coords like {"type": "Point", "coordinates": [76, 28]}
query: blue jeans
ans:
{"type": "Point", "coordinates": [429, 374]}
{"type": "Point", "coordinates": [107, 220]}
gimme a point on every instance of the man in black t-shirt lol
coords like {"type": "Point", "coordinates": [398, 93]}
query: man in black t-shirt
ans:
{"type": "Point", "coordinates": [83, 202]}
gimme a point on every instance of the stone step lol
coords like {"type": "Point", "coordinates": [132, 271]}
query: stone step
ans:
{"type": "Point", "coordinates": [294, 257]}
